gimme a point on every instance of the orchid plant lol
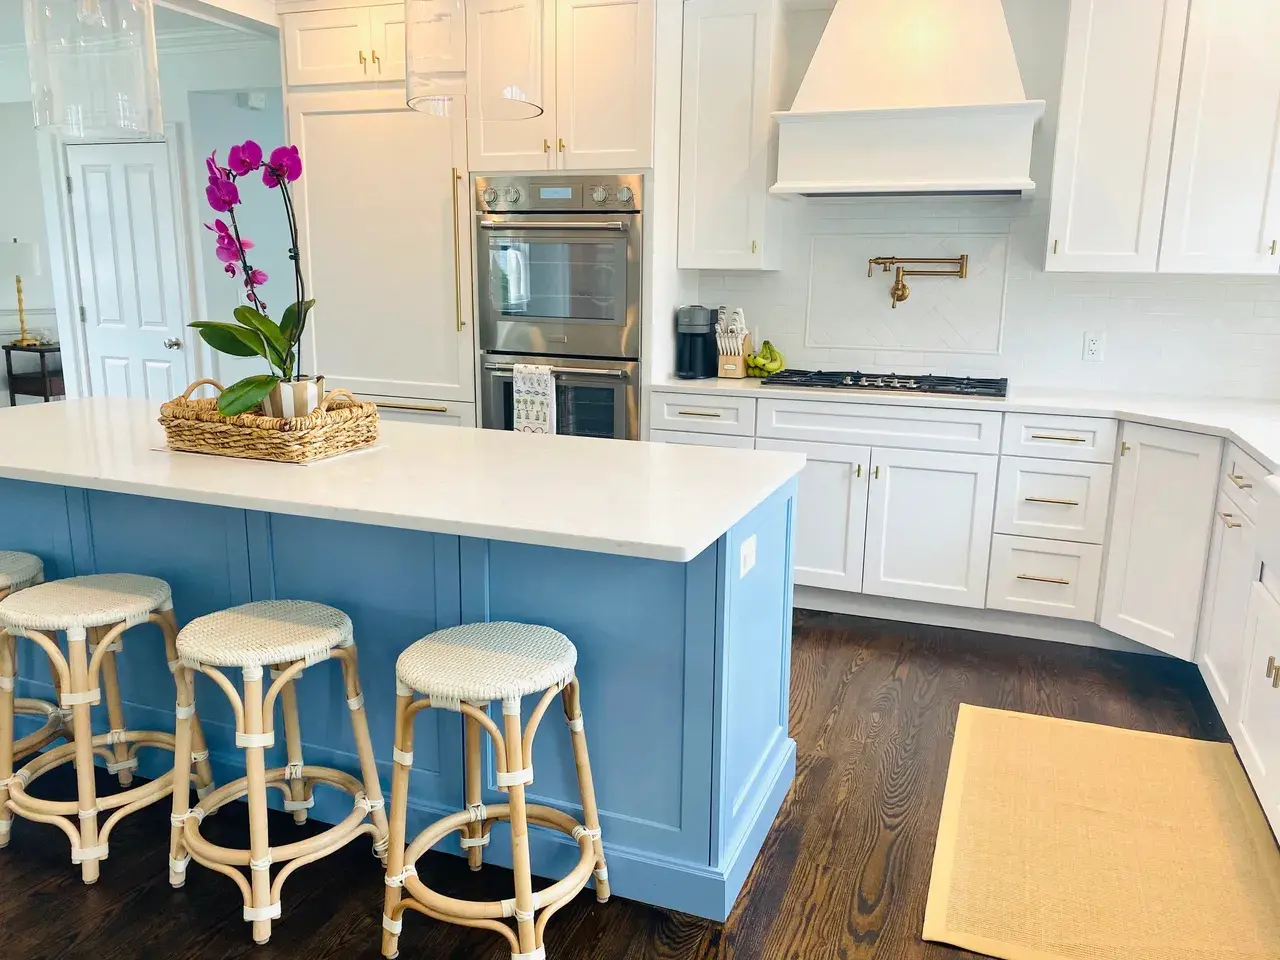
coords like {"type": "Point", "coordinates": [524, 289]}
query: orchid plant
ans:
{"type": "Point", "coordinates": [254, 333]}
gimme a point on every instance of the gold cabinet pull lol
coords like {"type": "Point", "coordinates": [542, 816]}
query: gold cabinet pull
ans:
{"type": "Point", "coordinates": [409, 406]}
{"type": "Point", "coordinates": [1231, 524]}
{"type": "Point", "coordinates": [1055, 246]}
{"type": "Point", "coordinates": [875, 474]}
{"type": "Point", "coordinates": [699, 413]}
{"type": "Point", "coordinates": [1273, 673]}
{"type": "Point", "coordinates": [363, 62]}
{"type": "Point", "coordinates": [858, 472]}
{"type": "Point", "coordinates": [1060, 502]}
{"type": "Point", "coordinates": [1050, 436]}
{"type": "Point", "coordinates": [754, 246]}
{"type": "Point", "coordinates": [1124, 448]}
{"type": "Point", "coordinates": [454, 177]}
{"type": "Point", "coordinates": [1239, 482]}
{"type": "Point", "coordinates": [1274, 245]}
{"type": "Point", "coordinates": [376, 62]}
{"type": "Point", "coordinates": [1058, 580]}
{"type": "Point", "coordinates": [560, 140]}
{"type": "Point", "coordinates": [546, 145]}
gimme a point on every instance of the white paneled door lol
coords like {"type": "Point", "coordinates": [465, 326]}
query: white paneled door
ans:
{"type": "Point", "coordinates": [127, 242]}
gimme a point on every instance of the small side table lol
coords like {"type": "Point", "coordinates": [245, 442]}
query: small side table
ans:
{"type": "Point", "coordinates": [47, 383]}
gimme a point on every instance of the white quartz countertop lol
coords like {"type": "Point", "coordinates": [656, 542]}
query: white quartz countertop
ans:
{"type": "Point", "coordinates": [651, 500]}
{"type": "Point", "coordinates": [1254, 425]}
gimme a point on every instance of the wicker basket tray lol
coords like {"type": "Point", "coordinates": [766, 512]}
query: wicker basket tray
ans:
{"type": "Point", "coordinates": [339, 424]}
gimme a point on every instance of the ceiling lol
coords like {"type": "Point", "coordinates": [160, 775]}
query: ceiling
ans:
{"type": "Point", "coordinates": [167, 22]}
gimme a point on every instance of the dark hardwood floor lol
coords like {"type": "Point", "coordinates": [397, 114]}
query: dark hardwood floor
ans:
{"type": "Point", "coordinates": [844, 873]}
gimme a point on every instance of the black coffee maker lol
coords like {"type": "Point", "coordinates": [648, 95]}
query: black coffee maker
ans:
{"type": "Point", "coordinates": [697, 352]}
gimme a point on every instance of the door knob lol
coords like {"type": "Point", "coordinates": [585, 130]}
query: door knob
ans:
{"type": "Point", "coordinates": [173, 343]}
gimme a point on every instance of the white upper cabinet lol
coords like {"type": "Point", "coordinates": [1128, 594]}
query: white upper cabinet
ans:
{"type": "Point", "coordinates": [595, 73]}
{"type": "Point", "coordinates": [386, 262]}
{"type": "Point", "coordinates": [1160, 536]}
{"type": "Point", "coordinates": [1115, 129]}
{"type": "Point", "coordinates": [929, 526]}
{"type": "Point", "coordinates": [386, 41]}
{"type": "Point", "coordinates": [725, 133]}
{"type": "Point", "coordinates": [357, 44]}
{"type": "Point", "coordinates": [1223, 210]}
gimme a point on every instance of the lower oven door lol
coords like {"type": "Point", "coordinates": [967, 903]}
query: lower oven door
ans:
{"type": "Point", "coordinates": [594, 398]}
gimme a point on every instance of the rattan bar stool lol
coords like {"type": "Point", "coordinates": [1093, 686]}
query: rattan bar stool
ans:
{"type": "Point", "coordinates": [19, 570]}
{"type": "Point", "coordinates": [94, 612]}
{"type": "Point", "coordinates": [288, 636]}
{"type": "Point", "coordinates": [463, 669]}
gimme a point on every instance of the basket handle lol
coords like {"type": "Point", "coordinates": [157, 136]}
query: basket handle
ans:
{"type": "Point", "coordinates": [324, 404]}
{"type": "Point", "coordinates": [198, 384]}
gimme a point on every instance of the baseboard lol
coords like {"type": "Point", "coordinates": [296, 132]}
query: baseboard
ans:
{"type": "Point", "coordinates": [1026, 625]}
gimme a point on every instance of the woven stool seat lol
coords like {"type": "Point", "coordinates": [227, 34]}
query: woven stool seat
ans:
{"type": "Point", "coordinates": [100, 600]}
{"type": "Point", "coordinates": [265, 633]}
{"type": "Point", "coordinates": [487, 661]}
{"type": "Point", "coordinates": [19, 570]}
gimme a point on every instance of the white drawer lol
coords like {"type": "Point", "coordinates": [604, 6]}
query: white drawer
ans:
{"type": "Point", "coordinates": [1059, 438]}
{"type": "Point", "coordinates": [1242, 478]}
{"type": "Point", "coordinates": [702, 439]}
{"type": "Point", "coordinates": [1058, 499]}
{"type": "Point", "coordinates": [701, 413]}
{"type": "Point", "coordinates": [876, 425]}
{"type": "Point", "coordinates": [1046, 577]}
{"type": "Point", "coordinates": [446, 413]}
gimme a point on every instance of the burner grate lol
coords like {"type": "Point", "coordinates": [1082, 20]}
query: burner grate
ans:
{"type": "Point", "coordinates": [857, 380]}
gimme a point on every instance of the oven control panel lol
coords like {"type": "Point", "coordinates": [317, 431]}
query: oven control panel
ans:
{"type": "Point", "coordinates": [618, 193]}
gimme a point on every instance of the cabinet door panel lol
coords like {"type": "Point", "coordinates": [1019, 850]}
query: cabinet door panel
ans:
{"type": "Point", "coordinates": [506, 39]}
{"type": "Point", "coordinates": [929, 526]}
{"type": "Point", "coordinates": [386, 39]}
{"type": "Point", "coordinates": [1257, 733]}
{"type": "Point", "coordinates": [385, 267]}
{"type": "Point", "coordinates": [1221, 215]}
{"type": "Point", "coordinates": [1160, 536]}
{"type": "Point", "coordinates": [1115, 130]}
{"type": "Point", "coordinates": [325, 46]}
{"type": "Point", "coordinates": [604, 83]}
{"type": "Point", "coordinates": [1232, 571]}
{"type": "Point", "coordinates": [831, 512]}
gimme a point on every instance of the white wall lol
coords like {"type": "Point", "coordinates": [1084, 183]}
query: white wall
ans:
{"type": "Point", "coordinates": [1195, 336]}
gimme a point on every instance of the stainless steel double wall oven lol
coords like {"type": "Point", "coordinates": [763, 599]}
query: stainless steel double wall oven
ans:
{"type": "Point", "coordinates": [558, 262]}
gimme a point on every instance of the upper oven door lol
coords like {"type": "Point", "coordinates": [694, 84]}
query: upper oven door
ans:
{"type": "Point", "coordinates": [559, 283]}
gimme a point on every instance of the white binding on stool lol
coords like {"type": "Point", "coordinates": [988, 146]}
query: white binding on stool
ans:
{"type": "Point", "coordinates": [115, 766]}
{"type": "Point", "coordinates": [580, 831]}
{"type": "Point", "coordinates": [369, 805]}
{"type": "Point", "coordinates": [293, 806]}
{"type": "Point", "coordinates": [178, 819]}
{"type": "Point", "coordinates": [81, 854]}
{"type": "Point", "coordinates": [402, 758]}
{"type": "Point", "coordinates": [398, 879]}
{"type": "Point", "coordinates": [93, 696]}
{"type": "Point", "coordinates": [179, 866]}
{"type": "Point", "coordinates": [478, 813]}
{"type": "Point", "coordinates": [20, 777]}
{"type": "Point", "coordinates": [263, 864]}
{"type": "Point", "coordinates": [392, 926]}
{"type": "Point", "coordinates": [293, 771]}
{"type": "Point", "coordinates": [255, 739]}
{"type": "Point", "coordinates": [356, 702]}
{"type": "Point", "coordinates": [539, 953]}
{"type": "Point", "coordinates": [6, 683]}
{"type": "Point", "coordinates": [514, 778]}
{"type": "Point", "coordinates": [575, 724]}
{"type": "Point", "coordinates": [469, 842]}
{"type": "Point", "coordinates": [511, 707]}
{"type": "Point", "coordinates": [184, 712]}
{"type": "Point", "coordinates": [202, 792]}
{"type": "Point", "coordinates": [271, 912]}
{"type": "Point", "coordinates": [200, 757]}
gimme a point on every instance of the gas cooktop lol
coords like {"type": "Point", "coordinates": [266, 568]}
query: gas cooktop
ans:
{"type": "Point", "coordinates": [856, 380]}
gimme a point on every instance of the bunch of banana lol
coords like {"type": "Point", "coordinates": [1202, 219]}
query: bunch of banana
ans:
{"type": "Point", "coordinates": [765, 361]}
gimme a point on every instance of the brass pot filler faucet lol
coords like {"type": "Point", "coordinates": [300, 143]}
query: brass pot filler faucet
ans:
{"type": "Point", "coordinates": [900, 291]}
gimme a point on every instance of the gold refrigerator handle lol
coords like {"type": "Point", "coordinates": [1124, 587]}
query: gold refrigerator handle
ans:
{"type": "Point", "coordinates": [454, 177]}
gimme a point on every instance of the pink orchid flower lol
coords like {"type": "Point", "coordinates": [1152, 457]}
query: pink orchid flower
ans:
{"type": "Point", "coordinates": [244, 158]}
{"type": "Point", "coordinates": [285, 166]}
{"type": "Point", "coordinates": [255, 277]}
{"type": "Point", "coordinates": [221, 192]}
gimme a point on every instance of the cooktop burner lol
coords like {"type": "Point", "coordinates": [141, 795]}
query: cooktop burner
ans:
{"type": "Point", "coordinates": [856, 380]}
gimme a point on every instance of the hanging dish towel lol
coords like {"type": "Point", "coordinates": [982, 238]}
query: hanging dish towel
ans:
{"type": "Point", "coordinates": [533, 399]}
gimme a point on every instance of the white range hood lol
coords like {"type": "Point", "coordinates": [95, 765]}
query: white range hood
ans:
{"type": "Point", "coordinates": [909, 96]}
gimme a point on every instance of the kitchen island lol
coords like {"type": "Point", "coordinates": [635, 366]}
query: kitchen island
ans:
{"type": "Point", "coordinates": [669, 568]}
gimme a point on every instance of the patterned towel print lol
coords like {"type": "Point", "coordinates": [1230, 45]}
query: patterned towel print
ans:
{"type": "Point", "coordinates": [533, 398]}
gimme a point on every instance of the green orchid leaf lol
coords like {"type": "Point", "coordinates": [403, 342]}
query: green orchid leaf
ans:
{"type": "Point", "coordinates": [232, 338]}
{"type": "Point", "coordinates": [254, 320]}
{"type": "Point", "coordinates": [293, 320]}
{"type": "Point", "coordinates": [244, 395]}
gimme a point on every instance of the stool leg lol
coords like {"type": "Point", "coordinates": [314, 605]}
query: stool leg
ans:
{"type": "Point", "coordinates": [399, 811]}
{"type": "Point", "coordinates": [293, 746]}
{"type": "Point", "coordinates": [8, 674]}
{"type": "Point", "coordinates": [200, 749]}
{"type": "Point", "coordinates": [115, 706]}
{"type": "Point", "coordinates": [586, 786]}
{"type": "Point", "coordinates": [471, 762]}
{"type": "Point", "coordinates": [256, 774]}
{"type": "Point", "coordinates": [178, 859]}
{"type": "Point", "coordinates": [86, 789]}
{"type": "Point", "coordinates": [364, 748]}
{"type": "Point", "coordinates": [512, 736]}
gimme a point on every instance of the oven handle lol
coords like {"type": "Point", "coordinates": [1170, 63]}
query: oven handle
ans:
{"type": "Point", "coordinates": [614, 225]}
{"type": "Point", "coordinates": [565, 371]}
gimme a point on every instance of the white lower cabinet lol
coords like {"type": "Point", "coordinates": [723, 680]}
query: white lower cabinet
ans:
{"type": "Point", "coordinates": [1256, 733]}
{"type": "Point", "coordinates": [444, 413]}
{"type": "Point", "coordinates": [1047, 577]}
{"type": "Point", "coordinates": [929, 526]}
{"type": "Point", "coordinates": [1232, 571]}
{"type": "Point", "coordinates": [831, 512]}
{"type": "Point", "coordinates": [702, 439]}
{"type": "Point", "coordinates": [1058, 499]}
{"type": "Point", "coordinates": [1159, 538]}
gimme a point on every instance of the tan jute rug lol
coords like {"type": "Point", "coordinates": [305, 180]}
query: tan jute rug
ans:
{"type": "Point", "coordinates": [1062, 840]}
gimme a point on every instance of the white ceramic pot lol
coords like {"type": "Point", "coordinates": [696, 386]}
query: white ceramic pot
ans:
{"type": "Point", "coordinates": [294, 398]}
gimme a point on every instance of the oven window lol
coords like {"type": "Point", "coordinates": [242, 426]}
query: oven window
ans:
{"type": "Point", "coordinates": [583, 281]}
{"type": "Point", "coordinates": [581, 411]}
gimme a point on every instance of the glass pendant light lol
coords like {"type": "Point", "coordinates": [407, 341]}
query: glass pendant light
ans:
{"type": "Point", "coordinates": [94, 73]}
{"type": "Point", "coordinates": [440, 45]}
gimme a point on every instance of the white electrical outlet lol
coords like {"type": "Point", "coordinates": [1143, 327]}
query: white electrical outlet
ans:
{"type": "Point", "coordinates": [1094, 343]}
{"type": "Point", "coordinates": [746, 556]}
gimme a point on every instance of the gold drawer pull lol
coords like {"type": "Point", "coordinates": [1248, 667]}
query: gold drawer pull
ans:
{"type": "Point", "coordinates": [1273, 674]}
{"type": "Point", "coordinates": [1058, 580]}
{"type": "Point", "coordinates": [698, 413]}
{"type": "Point", "coordinates": [411, 407]}
{"type": "Point", "coordinates": [1050, 436]}
{"type": "Point", "coordinates": [1064, 503]}
{"type": "Point", "coordinates": [1231, 524]}
{"type": "Point", "coordinates": [1239, 481]}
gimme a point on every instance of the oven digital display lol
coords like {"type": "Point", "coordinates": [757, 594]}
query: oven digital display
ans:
{"type": "Point", "coordinates": [555, 193]}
